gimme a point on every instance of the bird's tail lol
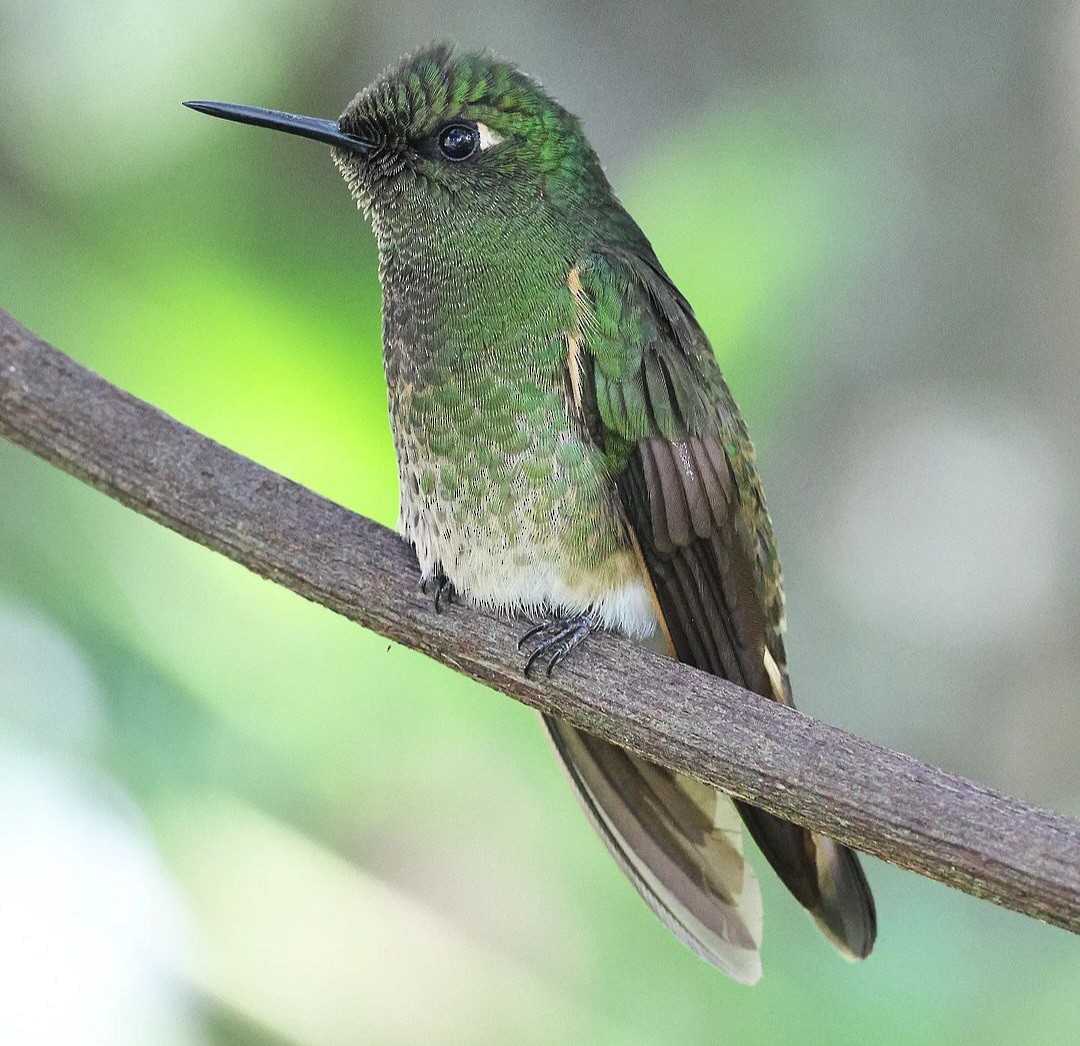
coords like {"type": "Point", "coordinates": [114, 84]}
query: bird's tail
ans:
{"type": "Point", "coordinates": [678, 841]}
{"type": "Point", "coordinates": [824, 876]}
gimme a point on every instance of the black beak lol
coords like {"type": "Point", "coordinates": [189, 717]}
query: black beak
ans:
{"type": "Point", "coordinates": [326, 131]}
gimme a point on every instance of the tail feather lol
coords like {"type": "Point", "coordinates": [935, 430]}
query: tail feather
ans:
{"type": "Point", "coordinates": [678, 841]}
{"type": "Point", "coordinates": [824, 877]}
{"type": "Point", "coordinates": [846, 913]}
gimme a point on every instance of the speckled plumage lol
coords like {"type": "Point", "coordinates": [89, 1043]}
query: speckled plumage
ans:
{"type": "Point", "coordinates": [499, 489]}
{"type": "Point", "coordinates": [567, 443]}
{"type": "Point", "coordinates": [567, 446]}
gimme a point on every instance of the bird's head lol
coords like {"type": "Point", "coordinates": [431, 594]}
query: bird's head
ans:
{"type": "Point", "coordinates": [462, 143]}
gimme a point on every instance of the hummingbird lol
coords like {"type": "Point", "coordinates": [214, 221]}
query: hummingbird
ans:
{"type": "Point", "coordinates": [569, 452]}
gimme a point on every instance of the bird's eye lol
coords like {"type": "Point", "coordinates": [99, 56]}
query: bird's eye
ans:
{"type": "Point", "coordinates": [459, 141]}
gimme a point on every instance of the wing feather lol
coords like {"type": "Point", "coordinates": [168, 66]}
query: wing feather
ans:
{"type": "Point", "coordinates": [688, 489]}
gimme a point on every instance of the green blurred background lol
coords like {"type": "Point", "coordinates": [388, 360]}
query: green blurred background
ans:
{"type": "Point", "coordinates": [232, 818]}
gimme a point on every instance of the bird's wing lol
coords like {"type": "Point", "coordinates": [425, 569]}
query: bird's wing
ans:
{"type": "Point", "coordinates": [645, 384]}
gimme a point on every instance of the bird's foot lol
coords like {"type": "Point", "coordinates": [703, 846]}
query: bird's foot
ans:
{"type": "Point", "coordinates": [558, 636]}
{"type": "Point", "coordinates": [442, 587]}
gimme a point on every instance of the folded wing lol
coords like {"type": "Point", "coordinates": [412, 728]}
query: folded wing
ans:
{"type": "Point", "coordinates": [649, 394]}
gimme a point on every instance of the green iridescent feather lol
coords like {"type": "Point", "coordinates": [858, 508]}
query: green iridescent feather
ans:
{"type": "Point", "coordinates": [567, 445]}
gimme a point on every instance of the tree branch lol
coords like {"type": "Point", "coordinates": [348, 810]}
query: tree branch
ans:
{"type": "Point", "coordinates": [878, 801]}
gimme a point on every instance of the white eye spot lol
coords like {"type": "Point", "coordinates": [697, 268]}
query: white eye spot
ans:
{"type": "Point", "coordinates": [488, 137]}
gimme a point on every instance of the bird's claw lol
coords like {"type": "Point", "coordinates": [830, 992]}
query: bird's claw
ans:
{"type": "Point", "coordinates": [443, 587]}
{"type": "Point", "coordinates": [564, 634]}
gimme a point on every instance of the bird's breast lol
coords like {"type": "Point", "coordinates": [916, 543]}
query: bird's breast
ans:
{"type": "Point", "coordinates": [500, 492]}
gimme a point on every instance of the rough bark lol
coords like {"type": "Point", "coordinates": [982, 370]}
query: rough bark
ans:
{"type": "Point", "coordinates": [878, 801]}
